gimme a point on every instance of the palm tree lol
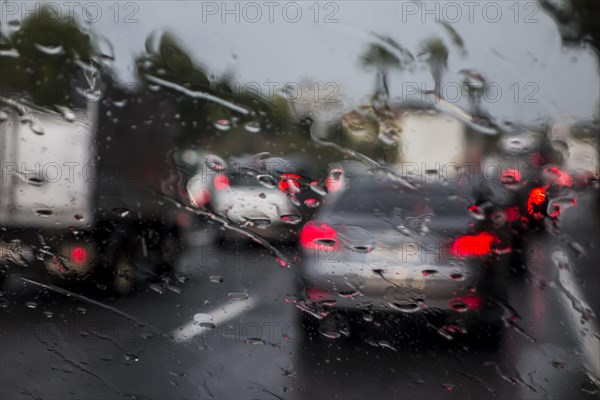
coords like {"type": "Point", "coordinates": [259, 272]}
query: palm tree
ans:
{"type": "Point", "coordinates": [384, 55]}
{"type": "Point", "coordinates": [435, 54]}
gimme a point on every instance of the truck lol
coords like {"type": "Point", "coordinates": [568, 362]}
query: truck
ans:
{"type": "Point", "coordinates": [84, 190]}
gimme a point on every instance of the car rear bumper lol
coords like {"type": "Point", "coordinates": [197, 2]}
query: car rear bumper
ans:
{"type": "Point", "coordinates": [396, 287]}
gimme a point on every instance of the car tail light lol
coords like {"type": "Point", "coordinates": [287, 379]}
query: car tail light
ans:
{"type": "Point", "coordinates": [537, 197]}
{"type": "Point", "coordinates": [289, 183]}
{"type": "Point", "coordinates": [473, 245]}
{"type": "Point", "coordinates": [318, 236]}
{"type": "Point", "coordinates": [79, 255]}
{"type": "Point", "coordinates": [559, 177]}
{"type": "Point", "coordinates": [221, 182]}
{"type": "Point", "coordinates": [510, 176]}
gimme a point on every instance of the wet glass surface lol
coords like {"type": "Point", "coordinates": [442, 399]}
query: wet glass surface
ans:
{"type": "Point", "coordinates": [383, 199]}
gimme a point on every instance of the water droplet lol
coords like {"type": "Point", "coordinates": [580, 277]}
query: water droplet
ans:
{"type": "Point", "coordinates": [44, 212]}
{"type": "Point", "coordinates": [291, 219]}
{"type": "Point", "coordinates": [3, 116]}
{"type": "Point", "coordinates": [223, 124]}
{"type": "Point", "coordinates": [48, 314]}
{"type": "Point", "coordinates": [238, 296]}
{"type": "Point", "coordinates": [121, 212]}
{"type": "Point", "coordinates": [132, 357]}
{"type": "Point", "coordinates": [267, 181]}
{"type": "Point", "coordinates": [37, 128]}
{"type": "Point", "coordinates": [216, 279]}
{"type": "Point", "coordinates": [316, 187]}
{"type": "Point", "coordinates": [477, 212]}
{"type": "Point", "coordinates": [561, 260]}
{"type": "Point", "coordinates": [158, 288]}
{"type": "Point", "coordinates": [119, 103]}
{"type": "Point", "coordinates": [81, 310]}
{"type": "Point", "coordinates": [311, 203]}
{"type": "Point", "coordinates": [31, 304]}
{"type": "Point", "coordinates": [457, 277]}
{"type": "Point", "coordinates": [204, 320]}
{"type": "Point", "coordinates": [50, 50]}
{"type": "Point", "coordinates": [403, 230]}
{"type": "Point", "coordinates": [294, 200]}
{"type": "Point", "coordinates": [349, 294]}
{"type": "Point", "coordinates": [35, 180]}
{"type": "Point", "coordinates": [252, 127]}
{"type": "Point", "coordinates": [215, 163]}
{"type": "Point", "coordinates": [260, 223]}
{"type": "Point", "coordinates": [92, 95]}
{"type": "Point", "coordinates": [459, 306]}
{"type": "Point", "coordinates": [67, 114]}
{"type": "Point", "coordinates": [449, 387]}
{"type": "Point", "coordinates": [78, 217]}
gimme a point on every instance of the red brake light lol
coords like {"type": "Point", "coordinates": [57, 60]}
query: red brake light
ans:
{"type": "Point", "coordinates": [289, 183]}
{"type": "Point", "coordinates": [318, 236]}
{"type": "Point", "coordinates": [221, 182]}
{"type": "Point", "coordinates": [510, 176]}
{"type": "Point", "coordinates": [537, 196]}
{"type": "Point", "coordinates": [559, 177]}
{"type": "Point", "coordinates": [473, 245]}
{"type": "Point", "coordinates": [79, 255]}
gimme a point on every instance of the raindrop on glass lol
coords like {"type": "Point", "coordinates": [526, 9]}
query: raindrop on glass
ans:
{"type": "Point", "coordinates": [252, 127]}
{"type": "Point", "coordinates": [311, 203]}
{"type": "Point", "coordinates": [223, 124]}
{"type": "Point", "coordinates": [215, 163]}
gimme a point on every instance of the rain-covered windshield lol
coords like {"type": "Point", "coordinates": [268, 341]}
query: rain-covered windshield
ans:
{"type": "Point", "coordinates": [326, 199]}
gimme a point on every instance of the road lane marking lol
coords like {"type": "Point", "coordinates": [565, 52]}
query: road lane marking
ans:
{"type": "Point", "coordinates": [589, 343]}
{"type": "Point", "coordinates": [218, 316]}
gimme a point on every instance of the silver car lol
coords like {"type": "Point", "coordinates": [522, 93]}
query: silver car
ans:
{"type": "Point", "coordinates": [379, 246]}
{"type": "Point", "coordinates": [244, 192]}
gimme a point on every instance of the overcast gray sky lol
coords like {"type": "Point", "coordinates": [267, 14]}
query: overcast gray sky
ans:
{"type": "Point", "coordinates": [515, 45]}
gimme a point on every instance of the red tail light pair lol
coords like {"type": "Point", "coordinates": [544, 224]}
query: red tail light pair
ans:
{"type": "Point", "coordinates": [318, 236]}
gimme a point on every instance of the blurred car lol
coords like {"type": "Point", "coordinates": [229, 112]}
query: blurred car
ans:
{"type": "Point", "coordinates": [257, 193]}
{"type": "Point", "coordinates": [379, 246]}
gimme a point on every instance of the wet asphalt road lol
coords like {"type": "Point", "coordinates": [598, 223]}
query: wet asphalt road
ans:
{"type": "Point", "coordinates": [147, 345]}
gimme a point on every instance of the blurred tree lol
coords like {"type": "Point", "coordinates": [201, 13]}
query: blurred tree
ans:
{"type": "Point", "coordinates": [46, 58]}
{"type": "Point", "coordinates": [577, 19]}
{"type": "Point", "coordinates": [435, 53]}
{"type": "Point", "coordinates": [385, 55]}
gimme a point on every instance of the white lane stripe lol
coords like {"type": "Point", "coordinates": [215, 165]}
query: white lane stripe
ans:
{"type": "Point", "coordinates": [219, 316]}
{"type": "Point", "coordinates": [589, 343]}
